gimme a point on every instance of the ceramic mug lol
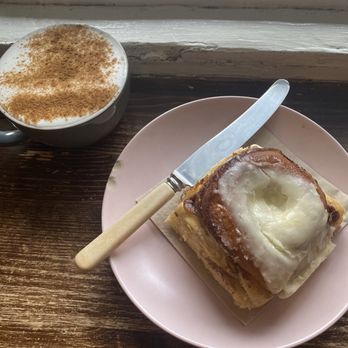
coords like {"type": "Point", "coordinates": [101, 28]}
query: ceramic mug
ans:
{"type": "Point", "coordinates": [83, 130]}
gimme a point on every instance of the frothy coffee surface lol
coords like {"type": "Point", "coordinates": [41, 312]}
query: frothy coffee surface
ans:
{"type": "Point", "coordinates": [58, 75]}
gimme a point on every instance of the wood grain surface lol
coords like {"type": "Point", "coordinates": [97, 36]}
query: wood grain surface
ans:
{"type": "Point", "coordinates": [50, 206]}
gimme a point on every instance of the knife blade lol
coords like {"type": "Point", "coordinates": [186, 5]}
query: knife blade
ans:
{"type": "Point", "coordinates": [233, 136]}
{"type": "Point", "coordinates": [187, 173]}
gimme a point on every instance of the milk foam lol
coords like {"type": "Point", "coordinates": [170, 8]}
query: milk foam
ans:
{"type": "Point", "coordinates": [16, 57]}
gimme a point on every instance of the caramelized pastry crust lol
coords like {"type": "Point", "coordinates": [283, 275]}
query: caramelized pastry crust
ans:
{"type": "Point", "coordinates": [221, 219]}
{"type": "Point", "coordinates": [207, 203]}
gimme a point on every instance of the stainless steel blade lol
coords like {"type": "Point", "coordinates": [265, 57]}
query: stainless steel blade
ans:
{"type": "Point", "coordinates": [233, 136]}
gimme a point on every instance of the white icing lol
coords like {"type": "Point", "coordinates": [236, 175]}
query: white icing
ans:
{"type": "Point", "coordinates": [13, 59]}
{"type": "Point", "coordinates": [283, 219]}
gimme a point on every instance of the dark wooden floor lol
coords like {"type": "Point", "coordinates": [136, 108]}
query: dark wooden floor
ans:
{"type": "Point", "coordinates": [50, 205]}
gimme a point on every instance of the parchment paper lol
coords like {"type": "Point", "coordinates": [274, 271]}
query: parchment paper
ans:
{"type": "Point", "coordinates": [263, 138]}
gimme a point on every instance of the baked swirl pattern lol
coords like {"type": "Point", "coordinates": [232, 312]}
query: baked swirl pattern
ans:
{"type": "Point", "coordinates": [259, 223]}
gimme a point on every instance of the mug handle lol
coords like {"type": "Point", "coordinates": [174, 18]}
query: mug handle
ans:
{"type": "Point", "coordinates": [11, 136]}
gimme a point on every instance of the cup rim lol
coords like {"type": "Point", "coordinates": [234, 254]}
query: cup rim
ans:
{"type": "Point", "coordinates": [83, 119]}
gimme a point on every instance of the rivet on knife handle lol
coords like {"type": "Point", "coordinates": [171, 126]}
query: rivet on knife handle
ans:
{"type": "Point", "coordinates": [111, 238]}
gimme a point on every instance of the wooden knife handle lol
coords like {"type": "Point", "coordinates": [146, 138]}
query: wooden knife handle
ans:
{"type": "Point", "coordinates": [101, 247]}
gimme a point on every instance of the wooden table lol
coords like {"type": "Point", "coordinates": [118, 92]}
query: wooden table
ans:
{"type": "Point", "coordinates": [50, 205]}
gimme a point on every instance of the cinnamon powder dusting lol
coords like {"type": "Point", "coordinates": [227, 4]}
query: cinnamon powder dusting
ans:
{"type": "Point", "coordinates": [67, 74]}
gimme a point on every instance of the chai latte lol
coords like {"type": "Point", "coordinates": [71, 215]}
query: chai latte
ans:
{"type": "Point", "coordinates": [60, 75]}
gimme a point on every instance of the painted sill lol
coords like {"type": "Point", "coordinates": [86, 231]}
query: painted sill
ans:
{"type": "Point", "coordinates": [206, 42]}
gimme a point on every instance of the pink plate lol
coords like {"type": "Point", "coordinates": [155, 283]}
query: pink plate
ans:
{"type": "Point", "coordinates": [158, 280]}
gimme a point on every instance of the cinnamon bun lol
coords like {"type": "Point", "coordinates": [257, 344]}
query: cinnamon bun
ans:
{"type": "Point", "coordinates": [259, 223]}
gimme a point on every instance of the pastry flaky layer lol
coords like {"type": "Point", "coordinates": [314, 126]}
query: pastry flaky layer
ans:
{"type": "Point", "coordinates": [259, 223]}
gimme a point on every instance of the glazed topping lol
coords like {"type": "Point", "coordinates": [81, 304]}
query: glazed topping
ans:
{"type": "Point", "coordinates": [282, 219]}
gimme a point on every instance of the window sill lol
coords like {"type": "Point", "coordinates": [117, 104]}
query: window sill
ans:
{"type": "Point", "coordinates": [206, 42]}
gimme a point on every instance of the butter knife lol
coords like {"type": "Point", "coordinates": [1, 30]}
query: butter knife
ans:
{"type": "Point", "coordinates": [188, 173]}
